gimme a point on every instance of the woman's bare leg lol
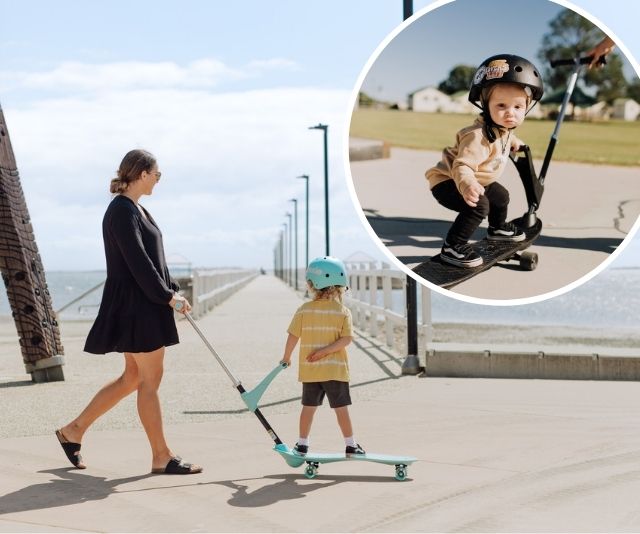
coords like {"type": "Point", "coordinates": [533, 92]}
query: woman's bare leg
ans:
{"type": "Point", "coordinates": [103, 401]}
{"type": "Point", "coordinates": [150, 370]}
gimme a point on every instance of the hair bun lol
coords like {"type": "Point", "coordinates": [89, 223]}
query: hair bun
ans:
{"type": "Point", "coordinates": [117, 186]}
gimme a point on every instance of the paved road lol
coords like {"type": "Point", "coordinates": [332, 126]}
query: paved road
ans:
{"type": "Point", "coordinates": [584, 219]}
{"type": "Point", "coordinates": [494, 455]}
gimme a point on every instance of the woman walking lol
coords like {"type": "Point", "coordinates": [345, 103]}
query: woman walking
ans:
{"type": "Point", "coordinates": [136, 315]}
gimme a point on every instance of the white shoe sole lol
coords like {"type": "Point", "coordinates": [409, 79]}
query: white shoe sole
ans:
{"type": "Point", "coordinates": [458, 263]}
{"type": "Point", "coordinates": [506, 238]}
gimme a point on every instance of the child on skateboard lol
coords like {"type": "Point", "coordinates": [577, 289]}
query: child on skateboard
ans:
{"type": "Point", "coordinates": [505, 88]}
{"type": "Point", "coordinates": [323, 327]}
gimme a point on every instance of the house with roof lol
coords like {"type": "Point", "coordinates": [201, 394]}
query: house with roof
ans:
{"type": "Point", "coordinates": [430, 100]}
{"type": "Point", "coordinates": [626, 109]}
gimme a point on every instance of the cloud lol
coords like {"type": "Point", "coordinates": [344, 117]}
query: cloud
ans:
{"type": "Point", "coordinates": [229, 163]}
{"type": "Point", "coordinates": [272, 64]}
{"type": "Point", "coordinates": [77, 77]}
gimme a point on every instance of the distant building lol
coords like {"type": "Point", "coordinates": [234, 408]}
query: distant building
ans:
{"type": "Point", "coordinates": [460, 103]}
{"type": "Point", "coordinates": [430, 100]}
{"type": "Point", "coordinates": [626, 109]}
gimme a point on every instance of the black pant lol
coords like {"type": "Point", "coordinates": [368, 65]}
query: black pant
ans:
{"type": "Point", "coordinates": [493, 203]}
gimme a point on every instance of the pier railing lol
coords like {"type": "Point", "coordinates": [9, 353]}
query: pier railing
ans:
{"type": "Point", "coordinates": [377, 300]}
{"type": "Point", "coordinates": [204, 288]}
{"type": "Point", "coordinates": [209, 287]}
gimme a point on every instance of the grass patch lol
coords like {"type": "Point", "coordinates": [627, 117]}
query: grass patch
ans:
{"type": "Point", "coordinates": [607, 143]}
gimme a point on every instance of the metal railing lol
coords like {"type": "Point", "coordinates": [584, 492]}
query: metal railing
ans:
{"type": "Point", "coordinates": [209, 287]}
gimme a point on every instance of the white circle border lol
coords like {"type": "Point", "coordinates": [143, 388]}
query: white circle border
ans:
{"type": "Point", "coordinates": [354, 197]}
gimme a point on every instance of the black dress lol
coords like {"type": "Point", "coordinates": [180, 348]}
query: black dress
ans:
{"type": "Point", "coordinates": [134, 314]}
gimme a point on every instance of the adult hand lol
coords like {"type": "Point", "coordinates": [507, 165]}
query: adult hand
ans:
{"type": "Point", "coordinates": [603, 48]}
{"type": "Point", "coordinates": [472, 194]}
{"type": "Point", "coordinates": [183, 307]}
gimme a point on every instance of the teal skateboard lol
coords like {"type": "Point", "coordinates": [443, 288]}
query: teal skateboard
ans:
{"type": "Point", "coordinates": [251, 399]}
{"type": "Point", "coordinates": [314, 460]}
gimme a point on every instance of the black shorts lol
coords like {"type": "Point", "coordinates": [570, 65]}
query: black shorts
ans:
{"type": "Point", "coordinates": [337, 392]}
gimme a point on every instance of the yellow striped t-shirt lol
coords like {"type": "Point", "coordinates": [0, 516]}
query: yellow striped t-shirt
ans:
{"type": "Point", "coordinates": [319, 323]}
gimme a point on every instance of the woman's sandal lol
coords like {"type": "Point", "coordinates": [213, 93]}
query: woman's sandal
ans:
{"type": "Point", "coordinates": [177, 467]}
{"type": "Point", "coordinates": [72, 450]}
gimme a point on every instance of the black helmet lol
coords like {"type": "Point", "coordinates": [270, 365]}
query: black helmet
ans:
{"type": "Point", "coordinates": [505, 68]}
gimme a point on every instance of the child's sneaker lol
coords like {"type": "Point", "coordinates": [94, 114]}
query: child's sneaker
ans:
{"type": "Point", "coordinates": [460, 255]}
{"type": "Point", "coordinates": [505, 232]}
{"type": "Point", "coordinates": [301, 449]}
{"type": "Point", "coordinates": [350, 451]}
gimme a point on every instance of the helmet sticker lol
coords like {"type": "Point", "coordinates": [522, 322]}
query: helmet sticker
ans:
{"type": "Point", "coordinates": [497, 68]}
{"type": "Point", "coordinates": [477, 77]}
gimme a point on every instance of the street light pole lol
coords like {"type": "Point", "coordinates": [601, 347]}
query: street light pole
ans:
{"type": "Point", "coordinates": [305, 177]}
{"type": "Point", "coordinates": [407, 9]}
{"type": "Point", "coordinates": [295, 225]}
{"type": "Point", "coordinates": [284, 253]}
{"type": "Point", "coordinates": [281, 255]}
{"type": "Point", "coordinates": [325, 128]}
{"type": "Point", "coordinates": [411, 364]}
{"type": "Point", "coordinates": [290, 251]}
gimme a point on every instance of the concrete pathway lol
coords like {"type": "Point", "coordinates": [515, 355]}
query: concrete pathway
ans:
{"type": "Point", "coordinates": [494, 455]}
{"type": "Point", "coordinates": [587, 212]}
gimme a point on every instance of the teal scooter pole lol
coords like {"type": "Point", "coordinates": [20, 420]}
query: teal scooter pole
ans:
{"type": "Point", "coordinates": [250, 398]}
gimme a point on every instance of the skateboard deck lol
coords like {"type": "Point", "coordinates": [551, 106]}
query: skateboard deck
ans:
{"type": "Point", "coordinates": [445, 275]}
{"type": "Point", "coordinates": [313, 460]}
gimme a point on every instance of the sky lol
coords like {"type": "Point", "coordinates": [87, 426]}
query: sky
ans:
{"type": "Point", "coordinates": [424, 53]}
{"type": "Point", "coordinates": [404, 66]}
{"type": "Point", "coordinates": [223, 94]}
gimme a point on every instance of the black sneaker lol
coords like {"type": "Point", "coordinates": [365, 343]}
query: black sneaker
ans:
{"type": "Point", "coordinates": [301, 449]}
{"type": "Point", "coordinates": [505, 232]}
{"type": "Point", "coordinates": [460, 255]}
{"type": "Point", "coordinates": [350, 451]}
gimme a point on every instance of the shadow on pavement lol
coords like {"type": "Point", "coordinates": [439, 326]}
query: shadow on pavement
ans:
{"type": "Point", "coordinates": [73, 488]}
{"type": "Point", "coordinates": [70, 488]}
{"type": "Point", "coordinates": [287, 488]}
{"type": "Point", "coordinates": [401, 231]}
{"type": "Point", "coordinates": [17, 384]}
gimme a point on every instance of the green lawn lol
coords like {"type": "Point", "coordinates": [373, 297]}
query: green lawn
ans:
{"type": "Point", "coordinates": [611, 142]}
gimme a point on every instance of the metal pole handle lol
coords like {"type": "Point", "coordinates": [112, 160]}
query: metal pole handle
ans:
{"type": "Point", "coordinates": [235, 381]}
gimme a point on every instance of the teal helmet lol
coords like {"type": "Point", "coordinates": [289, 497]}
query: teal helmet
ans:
{"type": "Point", "coordinates": [327, 271]}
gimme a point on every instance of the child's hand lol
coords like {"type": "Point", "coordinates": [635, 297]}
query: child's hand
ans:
{"type": "Point", "coordinates": [286, 360]}
{"type": "Point", "coordinates": [516, 145]}
{"type": "Point", "coordinates": [316, 355]}
{"type": "Point", "coordinates": [472, 194]}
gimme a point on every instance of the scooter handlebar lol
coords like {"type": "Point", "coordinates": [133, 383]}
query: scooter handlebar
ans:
{"type": "Point", "coordinates": [576, 61]}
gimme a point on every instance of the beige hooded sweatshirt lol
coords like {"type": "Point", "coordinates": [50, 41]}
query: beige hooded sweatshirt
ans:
{"type": "Point", "coordinates": [473, 158]}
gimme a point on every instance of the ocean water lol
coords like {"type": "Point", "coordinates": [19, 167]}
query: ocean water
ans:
{"type": "Point", "coordinates": [65, 286]}
{"type": "Point", "coordinates": [611, 299]}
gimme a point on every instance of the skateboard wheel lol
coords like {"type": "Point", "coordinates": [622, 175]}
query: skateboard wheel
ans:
{"type": "Point", "coordinates": [528, 261]}
{"type": "Point", "coordinates": [311, 471]}
{"type": "Point", "coordinates": [401, 472]}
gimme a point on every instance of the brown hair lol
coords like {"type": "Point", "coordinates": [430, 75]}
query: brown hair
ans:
{"type": "Point", "coordinates": [132, 166]}
{"type": "Point", "coordinates": [487, 91]}
{"type": "Point", "coordinates": [327, 293]}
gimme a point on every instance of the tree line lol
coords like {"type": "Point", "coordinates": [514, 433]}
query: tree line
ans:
{"type": "Point", "coordinates": [570, 35]}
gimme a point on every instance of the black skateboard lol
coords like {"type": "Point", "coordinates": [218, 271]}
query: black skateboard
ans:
{"type": "Point", "coordinates": [446, 275]}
